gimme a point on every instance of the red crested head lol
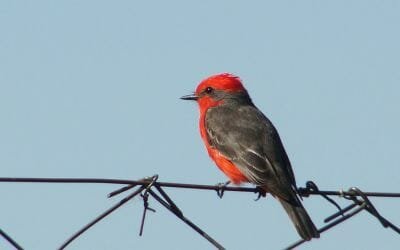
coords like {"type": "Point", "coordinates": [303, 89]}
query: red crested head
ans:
{"type": "Point", "coordinates": [223, 82]}
{"type": "Point", "coordinates": [219, 89]}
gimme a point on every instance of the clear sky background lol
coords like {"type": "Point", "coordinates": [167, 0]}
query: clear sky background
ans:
{"type": "Point", "coordinates": [91, 89]}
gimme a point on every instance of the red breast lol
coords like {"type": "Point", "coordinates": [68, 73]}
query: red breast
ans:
{"type": "Point", "coordinates": [225, 82]}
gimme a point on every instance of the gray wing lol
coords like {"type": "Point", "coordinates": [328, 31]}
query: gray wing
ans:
{"type": "Point", "coordinates": [247, 138]}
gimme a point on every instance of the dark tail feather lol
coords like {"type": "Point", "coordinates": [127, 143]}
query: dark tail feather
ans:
{"type": "Point", "coordinates": [301, 220]}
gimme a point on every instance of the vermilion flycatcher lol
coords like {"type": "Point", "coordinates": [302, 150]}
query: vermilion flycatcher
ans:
{"type": "Point", "coordinates": [246, 146]}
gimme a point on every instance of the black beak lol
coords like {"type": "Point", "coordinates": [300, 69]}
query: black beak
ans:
{"type": "Point", "coordinates": [192, 97]}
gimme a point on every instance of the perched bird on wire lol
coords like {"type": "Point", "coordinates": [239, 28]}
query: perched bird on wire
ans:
{"type": "Point", "coordinates": [245, 145]}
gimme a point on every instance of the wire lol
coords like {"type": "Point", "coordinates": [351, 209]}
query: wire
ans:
{"type": "Point", "coordinates": [359, 199]}
{"type": "Point", "coordinates": [128, 182]}
{"type": "Point", "coordinates": [360, 203]}
{"type": "Point", "coordinates": [10, 240]}
{"type": "Point", "coordinates": [302, 191]}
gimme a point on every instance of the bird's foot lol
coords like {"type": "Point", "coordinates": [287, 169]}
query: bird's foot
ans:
{"type": "Point", "coordinates": [261, 193]}
{"type": "Point", "coordinates": [221, 188]}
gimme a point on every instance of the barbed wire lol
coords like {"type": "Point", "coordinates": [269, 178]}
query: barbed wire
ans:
{"type": "Point", "coordinates": [151, 187]}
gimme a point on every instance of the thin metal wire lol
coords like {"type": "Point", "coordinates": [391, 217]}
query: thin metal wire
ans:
{"type": "Point", "coordinates": [146, 208]}
{"type": "Point", "coordinates": [10, 240]}
{"type": "Point", "coordinates": [146, 185]}
{"type": "Point", "coordinates": [302, 191]}
{"type": "Point", "coordinates": [126, 182]}
{"type": "Point", "coordinates": [100, 217]}
{"type": "Point", "coordinates": [145, 197]}
{"type": "Point", "coordinates": [339, 213]}
{"type": "Point", "coordinates": [362, 204]}
{"type": "Point", "coordinates": [332, 224]}
{"type": "Point", "coordinates": [169, 200]}
{"type": "Point", "coordinates": [186, 220]}
{"type": "Point", "coordinates": [342, 193]}
{"type": "Point", "coordinates": [167, 203]}
{"type": "Point", "coordinates": [311, 186]}
{"type": "Point", "coordinates": [372, 210]}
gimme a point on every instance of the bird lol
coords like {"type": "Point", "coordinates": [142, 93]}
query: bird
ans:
{"type": "Point", "coordinates": [246, 146]}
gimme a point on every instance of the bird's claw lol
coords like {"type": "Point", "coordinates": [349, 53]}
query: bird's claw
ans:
{"type": "Point", "coordinates": [260, 193]}
{"type": "Point", "coordinates": [221, 188]}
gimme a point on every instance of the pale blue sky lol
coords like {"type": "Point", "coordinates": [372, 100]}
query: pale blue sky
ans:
{"type": "Point", "coordinates": [91, 89]}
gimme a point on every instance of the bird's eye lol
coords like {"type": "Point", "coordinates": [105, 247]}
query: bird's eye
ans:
{"type": "Point", "coordinates": [209, 90]}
